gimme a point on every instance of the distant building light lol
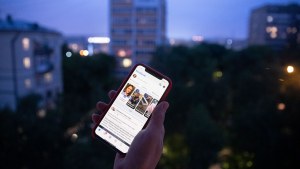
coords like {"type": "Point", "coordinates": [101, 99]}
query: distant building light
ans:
{"type": "Point", "coordinates": [74, 137]}
{"type": "Point", "coordinates": [127, 62]}
{"type": "Point", "coordinates": [74, 47]}
{"type": "Point", "coordinates": [229, 41]}
{"type": "Point", "coordinates": [48, 77]}
{"type": "Point", "coordinates": [26, 62]}
{"type": "Point", "coordinates": [281, 106]}
{"type": "Point", "coordinates": [273, 35]}
{"type": "Point", "coordinates": [68, 54]}
{"type": "Point", "coordinates": [197, 38]}
{"type": "Point", "coordinates": [26, 43]}
{"type": "Point", "coordinates": [290, 69]}
{"type": "Point", "coordinates": [41, 113]}
{"type": "Point", "coordinates": [272, 30]}
{"type": "Point", "coordinates": [165, 150]}
{"type": "Point", "coordinates": [190, 83]}
{"type": "Point", "coordinates": [292, 30]}
{"type": "Point", "coordinates": [249, 164]}
{"type": "Point", "coordinates": [217, 75]}
{"type": "Point", "coordinates": [27, 83]}
{"type": "Point", "coordinates": [84, 52]}
{"type": "Point", "coordinates": [99, 40]}
{"type": "Point", "coordinates": [270, 19]}
{"type": "Point", "coordinates": [121, 53]}
{"type": "Point", "coordinates": [172, 41]}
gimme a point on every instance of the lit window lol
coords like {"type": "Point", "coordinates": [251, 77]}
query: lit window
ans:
{"type": "Point", "coordinates": [273, 35]}
{"type": "Point", "coordinates": [27, 83]}
{"type": "Point", "coordinates": [48, 77]}
{"type": "Point", "coordinates": [122, 53]}
{"type": "Point", "coordinates": [142, 21]}
{"type": "Point", "coordinates": [74, 47]}
{"type": "Point", "coordinates": [272, 30]}
{"type": "Point", "coordinates": [127, 62]}
{"type": "Point", "coordinates": [291, 30]}
{"type": "Point", "coordinates": [26, 62]}
{"type": "Point", "coordinates": [270, 19]}
{"type": "Point", "coordinates": [26, 43]}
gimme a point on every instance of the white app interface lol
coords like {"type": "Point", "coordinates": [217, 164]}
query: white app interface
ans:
{"type": "Point", "coordinates": [131, 109]}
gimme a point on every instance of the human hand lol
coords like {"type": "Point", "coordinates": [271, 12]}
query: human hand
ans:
{"type": "Point", "coordinates": [146, 148]}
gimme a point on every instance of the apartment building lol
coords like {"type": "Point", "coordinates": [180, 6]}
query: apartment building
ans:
{"type": "Point", "coordinates": [277, 26]}
{"type": "Point", "coordinates": [30, 62]}
{"type": "Point", "coordinates": [137, 27]}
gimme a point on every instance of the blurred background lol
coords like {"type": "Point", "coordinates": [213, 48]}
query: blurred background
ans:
{"type": "Point", "coordinates": [235, 67]}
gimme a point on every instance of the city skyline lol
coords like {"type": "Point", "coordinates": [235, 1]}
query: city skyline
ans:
{"type": "Point", "coordinates": [211, 19]}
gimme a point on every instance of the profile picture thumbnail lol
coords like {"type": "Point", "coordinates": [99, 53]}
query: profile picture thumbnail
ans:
{"type": "Point", "coordinates": [150, 108]}
{"type": "Point", "coordinates": [134, 99]}
{"type": "Point", "coordinates": [127, 91]}
{"type": "Point", "coordinates": [144, 103]}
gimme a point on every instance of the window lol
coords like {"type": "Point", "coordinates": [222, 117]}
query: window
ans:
{"type": "Point", "coordinates": [121, 31]}
{"type": "Point", "coordinates": [48, 77]}
{"type": "Point", "coordinates": [146, 10]}
{"type": "Point", "coordinates": [146, 20]}
{"type": "Point", "coordinates": [26, 43]}
{"type": "Point", "coordinates": [272, 30]}
{"type": "Point", "coordinates": [27, 83]}
{"type": "Point", "coordinates": [120, 42]}
{"type": "Point", "coordinates": [270, 19]}
{"type": "Point", "coordinates": [146, 31]}
{"type": "Point", "coordinates": [121, 10]}
{"type": "Point", "coordinates": [26, 62]}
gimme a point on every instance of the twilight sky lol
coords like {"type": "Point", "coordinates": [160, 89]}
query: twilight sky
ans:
{"type": "Point", "coordinates": [209, 18]}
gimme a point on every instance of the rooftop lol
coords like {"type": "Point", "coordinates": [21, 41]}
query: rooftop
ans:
{"type": "Point", "coordinates": [293, 8]}
{"type": "Point", "coordinates": [9, 24]}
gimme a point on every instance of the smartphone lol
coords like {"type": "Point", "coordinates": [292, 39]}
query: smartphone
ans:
{"type": "Point", "coordinates": [132, 106]}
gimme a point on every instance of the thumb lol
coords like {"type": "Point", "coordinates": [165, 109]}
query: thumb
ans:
{"type": "Point", "coordinates": [158, 115]}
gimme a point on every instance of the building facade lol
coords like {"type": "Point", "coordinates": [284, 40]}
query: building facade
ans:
{"type": "Point", "coordinates": [30, 63]}
{"type": "Point", "coordinates": [137, 27]}
{"type": "Point", "coordinates": [277, 26]}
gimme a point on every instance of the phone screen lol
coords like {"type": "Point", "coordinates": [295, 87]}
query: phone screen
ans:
{"type": "Point", "coordinates": [131, 109]}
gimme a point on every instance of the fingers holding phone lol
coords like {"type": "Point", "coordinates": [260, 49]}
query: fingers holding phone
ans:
{"type": "Point", "coordinates": [131, 107]}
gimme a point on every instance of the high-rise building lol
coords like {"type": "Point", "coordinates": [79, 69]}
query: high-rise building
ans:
{"type": "Point", "coordinates": [30, 63]}
{"type": "Point", "coordinates": [137, 27]}
{"type": "Point", "coordinates": [277, 26]}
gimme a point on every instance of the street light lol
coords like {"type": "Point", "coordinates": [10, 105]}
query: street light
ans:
{"type": "Point", "coordinates": [290, 69]}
